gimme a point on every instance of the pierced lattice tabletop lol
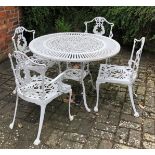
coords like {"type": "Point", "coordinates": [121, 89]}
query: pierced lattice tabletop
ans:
{"type": "Point", "coordinates": [74, 47]}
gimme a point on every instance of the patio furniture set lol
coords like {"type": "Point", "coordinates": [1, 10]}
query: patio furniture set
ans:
{"type": "Point", "coordinates": [33, 58]}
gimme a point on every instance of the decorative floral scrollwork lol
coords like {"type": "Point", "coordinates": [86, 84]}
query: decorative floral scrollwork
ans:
{"type": "Point", "coordinates": [21, 43]}
{"type": "Point", "coordinates": [19, 39]}
{"type": "Point", "coordinates": [115, 73]}
{"type": "Point", "coordinates": [99, 28]}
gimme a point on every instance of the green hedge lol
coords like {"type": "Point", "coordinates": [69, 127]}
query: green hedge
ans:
{"type": "Point", "coordinates": [130, 22]}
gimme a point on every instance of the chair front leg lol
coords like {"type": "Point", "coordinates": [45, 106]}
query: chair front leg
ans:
{"type": "Point", "coordinates": [97, 92]}
{"type": "Point", "coordinates": [12, 124]}
{"type": "Point", "coordinates": [70, 116]}
{"type": "Point", "coordinates": [37, 140]}
{"type": "Point", "coordinates": [136, 114]}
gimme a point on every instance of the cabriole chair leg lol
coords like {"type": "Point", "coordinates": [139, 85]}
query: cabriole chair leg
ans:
{"type": "Point", "coordinates": [12, 124]}
{"type": "Point", "coordinates": [97, 91]}
{"type": "Point", "coordinates": [136, 114]}
{"type": "Point", "coordinates": [37, 140]}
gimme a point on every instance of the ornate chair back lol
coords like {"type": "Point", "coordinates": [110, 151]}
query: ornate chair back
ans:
{"type": "Point", "coordinates": [99, 25]}
{"type": "Point", "coordinates": [21, 39]}
{"type": "Point", "coordinates": [136, 55]}
{"type": "Point", "coordinates": [25, 70]}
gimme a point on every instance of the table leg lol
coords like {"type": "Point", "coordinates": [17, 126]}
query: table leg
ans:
{"type": "Point", "coordinates": [83, 86]}
{"type": "Point", "coordinates": [91, 79]}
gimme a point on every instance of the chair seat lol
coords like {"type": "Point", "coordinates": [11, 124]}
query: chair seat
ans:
{"type": "Point", "coordinates": [32, 92]}
{"type": "Point", "coordinates": [75, 74]}
{"type": "Point", "coordinates": [115, 74]}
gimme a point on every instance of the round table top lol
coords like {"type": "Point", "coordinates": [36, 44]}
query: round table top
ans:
{"type": "Point", "coordinates": [74, 47]}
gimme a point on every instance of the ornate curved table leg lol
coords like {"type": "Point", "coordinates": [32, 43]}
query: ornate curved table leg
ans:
{"type": "Point", "coordinates": [83, 86]}
{"type": "Point", "coordinates": [84, 97]}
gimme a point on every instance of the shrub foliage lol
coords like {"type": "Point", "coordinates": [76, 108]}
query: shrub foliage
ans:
{"type": "Point", "coordinates": [130, 22]}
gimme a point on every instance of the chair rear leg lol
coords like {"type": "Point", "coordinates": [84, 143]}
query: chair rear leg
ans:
{"type": "Point", "coordinates": [37, 140]}
{"type": "Point", "coordinates": [97, 91]}
{"type": "Point", "coordinates": [12, 124]}
{"type": "Point", "coordinates": [136, 114]}
{"type": "Point", "coordinates": [84, 96]}
{"type": "Point", "coordinates": [70, 116]}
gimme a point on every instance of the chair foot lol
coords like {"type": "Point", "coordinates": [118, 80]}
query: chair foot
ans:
{"type": "Point", "coordinates": [11, 126]}
{"type": "Point", "coordinates": [89, 110]}
{"type": "Point", "coordinates": [36, 142]}
{"type": "Point", "coordinates": [96, 109]}
{"type": "Point", "coordinates": [71, 118]}
{"type": "Point", "coordinates": [136, 114]}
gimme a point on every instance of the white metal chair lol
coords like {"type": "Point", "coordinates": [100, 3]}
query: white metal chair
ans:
{"type": "Point", "coordinates": [122, 74]}
{"type": "Point", "coordinates": [21, 40]}
{"type": "Point", "coordinates": [33, 86]}
{"type": "Point", "coordinates": [99, 25]}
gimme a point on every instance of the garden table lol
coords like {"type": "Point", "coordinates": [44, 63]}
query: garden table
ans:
{"type": "Point", "coordinates": [74, 47]}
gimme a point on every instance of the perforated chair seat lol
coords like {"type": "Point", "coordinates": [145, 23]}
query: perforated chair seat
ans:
{"type": "Point", "coordinates": [33, 92]}
{"type": "Point", "coordinates": [115, 74]}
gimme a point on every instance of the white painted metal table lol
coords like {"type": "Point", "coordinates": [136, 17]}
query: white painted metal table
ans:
{"type": "Point", "coordinates": [74, 47]}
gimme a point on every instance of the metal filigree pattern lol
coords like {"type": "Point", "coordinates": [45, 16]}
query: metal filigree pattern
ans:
{"type": "Point", "coordinates": [21, 44]}
{"type": "Point", "coordinates": [19, 40]}
{"type": "Point", "coordinates": [114, 73]}
{"type": "Point", "coordinates": [31, 80]}
{"type": "Point", "coordinates": [99, 27]}
{"type": "Point", "coordinates": [136, 55]}
{"type": "Point", "coordinates": [121, 74]}
{"type": "Point", "coordinates": [75, 74]}
{"type": "Point", "coordinates": [74, 47]}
